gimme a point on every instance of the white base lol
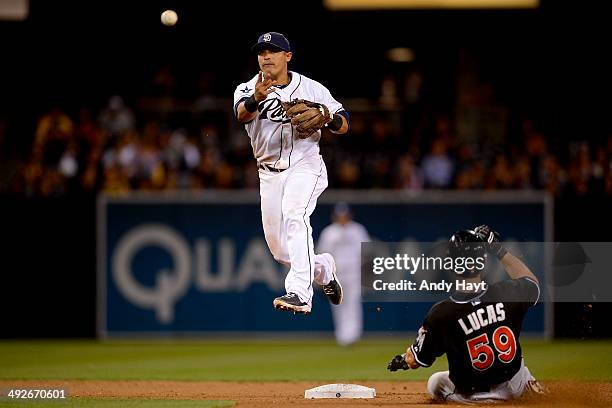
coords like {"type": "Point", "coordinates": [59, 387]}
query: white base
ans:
{"type": "Point", "coordinates": [340, 391]}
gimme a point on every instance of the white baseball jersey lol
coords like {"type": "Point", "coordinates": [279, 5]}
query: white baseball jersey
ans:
{"type": "Point", "coordinates": [344, 243]}
{"type": "Point", "coordinates": [271, 132]}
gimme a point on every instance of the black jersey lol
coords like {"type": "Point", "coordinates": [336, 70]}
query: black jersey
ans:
{"type": "Point", "coordinates": [479, 334]}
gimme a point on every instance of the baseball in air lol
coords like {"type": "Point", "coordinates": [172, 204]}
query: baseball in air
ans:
{"type": "Point", "coordinates": [169, 18]}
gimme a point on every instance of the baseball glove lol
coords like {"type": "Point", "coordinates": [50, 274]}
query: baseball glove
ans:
{"type": "Point", "coordinates": [307, 116]}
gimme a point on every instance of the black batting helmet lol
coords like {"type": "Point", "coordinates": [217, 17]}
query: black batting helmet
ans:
{"type": "Point", "coordinates": [467, 244]}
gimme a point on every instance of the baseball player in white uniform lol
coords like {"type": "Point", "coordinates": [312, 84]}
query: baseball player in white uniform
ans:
{"type": "Point", "coordinates": [343, 240]}
{"type": "Point", "coordinates": [292, 173]}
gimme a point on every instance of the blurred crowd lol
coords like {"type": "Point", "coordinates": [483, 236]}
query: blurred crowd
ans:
{"type": "Point", "coordinates": [433, 156]}
{"type": "Point", "coordinates": [110, 151]}
{"type": "Point", "coordinates": [116, 150]}
{"type": "Point", "coordinates": [179, 132]}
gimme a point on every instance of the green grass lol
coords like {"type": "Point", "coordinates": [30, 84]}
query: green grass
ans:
{"type": "Point", "coordinates": [124, 403]}
{"type": "Point", "coordinates": [319, 360]}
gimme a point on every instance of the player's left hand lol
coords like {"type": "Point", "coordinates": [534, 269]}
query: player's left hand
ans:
{"type": "Point", "coordinates": [487, 234]}
{"type": "Point", "coordinates": [307, 116]}
{"type": "Point", "coordinates": [491, 237]}
{"type": "Point", "coordinates": [398, 362]}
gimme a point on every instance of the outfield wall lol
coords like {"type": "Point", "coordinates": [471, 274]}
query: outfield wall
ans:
{"type": "Point", "coordinates": [197, 263]}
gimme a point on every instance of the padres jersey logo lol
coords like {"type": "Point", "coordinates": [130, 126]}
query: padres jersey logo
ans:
{"type": "Point", "coordinates": [272, 109]}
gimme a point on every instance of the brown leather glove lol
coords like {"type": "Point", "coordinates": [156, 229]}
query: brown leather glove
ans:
{"type": "Point", "coordinates": [307, 116]}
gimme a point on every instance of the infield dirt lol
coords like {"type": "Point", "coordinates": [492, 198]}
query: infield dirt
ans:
{"type": "Point", "coordinates": [291, 394]}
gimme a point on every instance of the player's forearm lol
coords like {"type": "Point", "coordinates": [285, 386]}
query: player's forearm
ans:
{"type": "Point", "coordinates": [343, 128]}
{"type": "Point", "coordinates": [412, 363]}
{"type": "Point", "coordinates": [243, 115]}
{"type": "Point", "coordinates": [515, 268]}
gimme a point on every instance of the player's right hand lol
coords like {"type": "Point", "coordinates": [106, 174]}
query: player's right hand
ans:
{"type": "Point", "coordinates": [263, 86]}
{"type": "Point", "coordinates": [398, 362]}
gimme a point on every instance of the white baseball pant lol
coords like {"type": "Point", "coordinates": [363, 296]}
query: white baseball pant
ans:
{"type": "Point", "coordinates": [348, 316]}
{"type": "Point", "coordinates": [288, 199]}
{"type": "Point", "coordinates": [441, 388]}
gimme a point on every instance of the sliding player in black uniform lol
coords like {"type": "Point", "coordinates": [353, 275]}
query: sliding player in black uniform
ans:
{"type": "Point", "coordinates": [479, 332]}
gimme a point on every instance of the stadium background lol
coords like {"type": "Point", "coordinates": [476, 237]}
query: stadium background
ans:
{"type": "Point", "coordinates": [485, 100]}
{"type": "Point", "coordinates": [100, 103]}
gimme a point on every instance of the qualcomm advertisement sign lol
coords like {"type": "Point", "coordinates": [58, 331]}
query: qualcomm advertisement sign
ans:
{"type": "Point", "coordinates": [171, 285]}
{"type": "Point", "coordinates": [202, 265]}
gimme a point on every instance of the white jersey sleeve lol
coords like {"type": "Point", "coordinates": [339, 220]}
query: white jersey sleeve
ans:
{"type": "Point", "coordinates": [325, 97]}
{"type": "Point", "coordinates": [243, 91]}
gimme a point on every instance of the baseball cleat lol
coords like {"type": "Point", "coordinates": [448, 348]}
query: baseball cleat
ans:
{"type": "Point", "coordinates": [333, 289]}
{"type": "Point", "coordinates": [291, 303]}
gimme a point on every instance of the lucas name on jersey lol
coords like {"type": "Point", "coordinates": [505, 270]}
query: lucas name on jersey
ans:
{"type": "Point", "coordinates": [477, 320]}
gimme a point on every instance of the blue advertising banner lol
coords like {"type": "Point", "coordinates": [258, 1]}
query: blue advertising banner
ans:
{"type": "Point", "coordinates": [189, 264]}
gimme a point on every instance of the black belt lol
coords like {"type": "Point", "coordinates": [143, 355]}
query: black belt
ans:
{"type": "Point", "coordinates": [264, 166]}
